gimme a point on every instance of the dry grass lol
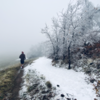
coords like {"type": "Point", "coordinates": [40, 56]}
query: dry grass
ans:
{"type": "Point", "coordinates": [6, 80]}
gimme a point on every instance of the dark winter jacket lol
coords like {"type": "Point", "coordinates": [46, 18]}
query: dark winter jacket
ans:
{"type": "Point", "coordinates": [22, 57]}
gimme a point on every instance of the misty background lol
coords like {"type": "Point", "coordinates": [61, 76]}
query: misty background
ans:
{"type": "Point", "coordinates": [21, 22]}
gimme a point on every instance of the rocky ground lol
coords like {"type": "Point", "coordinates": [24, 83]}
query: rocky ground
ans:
{"type": "Point", "coordinates": [92, 68]}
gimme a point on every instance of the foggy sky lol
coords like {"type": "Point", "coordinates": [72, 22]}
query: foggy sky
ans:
{"type": "Point", "coordinates": [21, 22]}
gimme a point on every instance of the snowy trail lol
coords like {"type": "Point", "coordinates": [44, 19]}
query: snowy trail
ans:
{"type": "Point", "coordinates": [70, 81]}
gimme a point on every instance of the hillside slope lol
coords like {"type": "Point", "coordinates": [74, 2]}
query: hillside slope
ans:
{"type": "Point", "coordinates": [72, 84]}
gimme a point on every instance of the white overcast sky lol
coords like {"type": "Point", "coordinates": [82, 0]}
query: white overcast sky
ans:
{"type": "Point", "coordinates": [21, 22]}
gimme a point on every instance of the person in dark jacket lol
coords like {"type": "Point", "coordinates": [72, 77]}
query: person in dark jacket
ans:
{"type": "Point", "coordinates": [22, 59]}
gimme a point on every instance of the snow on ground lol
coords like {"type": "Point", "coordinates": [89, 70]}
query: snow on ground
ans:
{"type": "Point", "coordinates": [70, 82]}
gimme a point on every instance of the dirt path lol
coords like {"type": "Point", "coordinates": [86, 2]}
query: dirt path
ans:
{"type": "Point", "coordinates": [18, 82]}
{"type": "Point", "coordinates": [17, 85]}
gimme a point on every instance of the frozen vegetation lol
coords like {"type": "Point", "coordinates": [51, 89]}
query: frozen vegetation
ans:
{"type": "Point", "coordinates": [72, 31]}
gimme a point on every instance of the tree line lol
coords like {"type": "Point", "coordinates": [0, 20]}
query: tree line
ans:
{"type": "Point", "coordinates": [71, 30]}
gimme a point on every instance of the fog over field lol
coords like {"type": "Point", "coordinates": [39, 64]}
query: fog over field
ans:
{"type": "Point", "coordinates": [7, 60]}
{"type": "Point", "coordinates": [21, 22]}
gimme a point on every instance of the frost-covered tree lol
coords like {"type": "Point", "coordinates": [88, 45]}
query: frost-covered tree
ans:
{"type": "Point", "coordinates": [53, 37]}
{"type": "Point", "coordinates": [78, 25]}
